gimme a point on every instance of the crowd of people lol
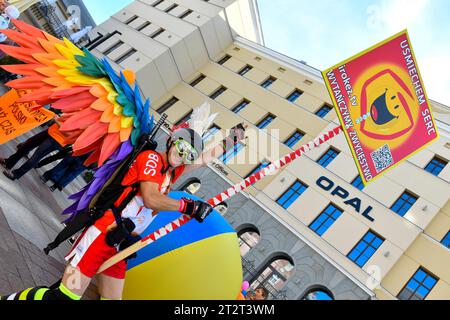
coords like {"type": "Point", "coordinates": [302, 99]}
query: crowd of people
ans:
{"type": "Point", "coordinates": [46, 142]}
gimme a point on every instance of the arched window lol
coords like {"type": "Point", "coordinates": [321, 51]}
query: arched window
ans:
{"type": "Point", "coordinates": [191, 186]}
{"type": "Point", "coordinates": [318, 293]}
{"type": "Point", "coordinates": [275, 274]}
{"type": "Point", "coordinates": [222, 208]}
{"type": "Point", "coordinates": [249, 237]}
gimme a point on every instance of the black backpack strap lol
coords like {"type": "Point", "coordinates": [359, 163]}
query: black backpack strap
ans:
{"type": "Point", "coordinates": [118, 210]}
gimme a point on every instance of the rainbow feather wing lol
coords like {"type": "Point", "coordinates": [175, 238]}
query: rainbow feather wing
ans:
{"type": "Point", "coordinates": [96, 101]}
{"type": "Point", "coordinates": [102, 112]}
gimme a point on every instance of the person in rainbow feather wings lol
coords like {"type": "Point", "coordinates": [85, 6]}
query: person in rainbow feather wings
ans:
{"type": "Point", "coordinates": [111, 119]}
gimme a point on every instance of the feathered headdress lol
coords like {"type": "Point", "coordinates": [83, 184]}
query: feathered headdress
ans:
{"type": "Point", "coordinates": [200, 121]}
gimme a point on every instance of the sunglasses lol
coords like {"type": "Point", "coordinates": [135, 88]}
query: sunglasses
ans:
{"type": "Point", "coordinates": [186, 151]}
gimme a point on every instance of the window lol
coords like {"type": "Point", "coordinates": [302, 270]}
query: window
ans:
{"type": "Point", "coordinates": [328, 157]}
{"type": "Point", "coordinates": [221, 208]}
{"type": "Point", "coordinates": [210, 133]}
{"type": "Point", "coordinates": [185, 14]}
{"type": "Point", "coordinates": [157, 3]}
{"type": "Point", "coordinates": [230, 154]}
{"type": "Point", "coordinates": [326, 219]}
{"type": "Point", "coordinates": [294, 139]}
{"type": "Point", "coordinates": [446, 240]}
{"type": "Point", "coordinates": [103, 39]}
{"type": "Point", "coordinates": [294, 95]}
{"type": "Point", "coordinates": [224, 59]}
{"type": "Point", "coordinates": [266, 121]}
{"type": "Point", "coordinates": [318, 294]}
{"type": "Point", "coordinates": [113, 47]}
{"type": "Point", "coordinates": [365, 249]}
{"type": "Point", "coordinates": [419, 286]}
{"type": "Point", "coordinates": [125, 56]}
{"type": "Point", "coordinates": [133, 18]}
{"type": "Point", "coordinates": [184, 119]}
{"type": "Point", "coordinates": [218, 92]}
{"type": "Point", "coordinates": [167, 105]}
{"type": "Point", "coordinates": [157, 33]}
{"type": "Point", "coordinates": [248, 239]}
{"type": "Point", "coordinates": [268, 82]}
{"type": "Point", "coordinates": [244, 103]}
{"type": "Point", "coordinates": [322, 112]}
{"type": "Point", "coordinates": [197, 80]}
{"type": "Point", "coordinates": [245, 70]}
{"type": "Point", "coordinates": [275, 274]}
{"type": "Point", "coordinates": [143, 26]}
{"type": "Point", "coordinates": [261, 166]}
{"type": "Point", "coordinates": [171, 8]}
{"type": "Point", "coordinates": [358, 183]}
{"type": "Point", "coordinates": [292, 194]}
{"type": "Point", "coordinates": [436, 166]}
{"type": "Point", "coordinates": [192, 186]}
{"type": "Point", "coordinates": [404, 203]}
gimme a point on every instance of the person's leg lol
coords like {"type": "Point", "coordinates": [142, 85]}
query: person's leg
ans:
{"type": "Point", "coordinates": [72, 287]}
{"type": "Point", "coordinates": [110, 288]}
{"type": "Point", "coordinates": [60, 170]}
{"type": "Point", "coordinates": [25, 148]}
{"type": "Point", "coordinates": [48, 146]}
{"type": "Point", "coordinates": [72, 173]}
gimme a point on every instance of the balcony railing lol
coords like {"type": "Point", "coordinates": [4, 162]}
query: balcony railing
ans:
{"type": "Point", "coordinates": [250, 271]}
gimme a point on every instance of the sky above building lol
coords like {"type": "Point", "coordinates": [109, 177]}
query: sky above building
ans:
{"type": "Point", "coordinates": [326, 32]}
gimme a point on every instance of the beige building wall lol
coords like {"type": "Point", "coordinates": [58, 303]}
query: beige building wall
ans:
{"type": "Point", "coordinates": [192, 46]}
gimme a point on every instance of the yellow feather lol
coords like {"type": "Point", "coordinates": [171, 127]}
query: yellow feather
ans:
{"type": "Point", "coordinates": [126, 122]}
{"type": "Point", "coordinates": [73, 48]}
{"type": "Point", "coordinates": [66, 52]}
{"type": "Point", "coordinates": [118, 109]}
{"type": "Point", "coordinates": [66, 64]}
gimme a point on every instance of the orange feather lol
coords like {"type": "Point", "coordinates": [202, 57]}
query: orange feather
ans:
{"type": "Point", "coordinates": [110, 144]}
{"type": "Point", "coordinates": [28, 29]}
{"type": "Point", "coordinates": [91, 135]}
{"type": "Point", "coordinates": [81, 120]}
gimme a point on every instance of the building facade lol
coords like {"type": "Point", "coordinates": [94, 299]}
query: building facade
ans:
{"type": "Point", "coordinates": [60, 18]}
{"type": "Point", "coordinates": [301, 234]}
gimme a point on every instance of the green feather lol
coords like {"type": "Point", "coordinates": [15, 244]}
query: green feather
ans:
{"type": "Point", "coordinates": [90, 65]}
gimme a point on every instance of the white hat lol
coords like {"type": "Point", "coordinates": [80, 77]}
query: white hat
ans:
{"type": "Point", "coordinates": [12, 12]}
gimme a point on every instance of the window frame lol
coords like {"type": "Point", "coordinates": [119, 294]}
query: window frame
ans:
{"type": "Point", "coordinates": [420, 284]}
{"type": "Point", "coordinates": [369, 245]}
{"type": "Point", "coordinates": [296, 91]}
{"type": "Point", "coordinates": [410, 195]}
{"type": "Point", "coordinates": [246, 69]}
{"type": "Point", "coordinates": [328, 217]}
{"type": "Point", "coordinates": [295, 193]}
{"type": "Point", "coordinates": [325, 154]}
{"type": "Point", "coordinates": [292, 136]}
{"type": "Point", "coordinates": [271, 80]}
{"type": "Point", "coordinates": [319, 112]}
{"type": "Point", "coordinates": [167, 105]}
{"type": "Point", "coordinates": [218, 92]}
{"type": "Point", "coordinates": [440, 161]}
{"type": "Point", "coordinates": [224, 59]}
{"type": "Point", "coordinates": [265, 122]}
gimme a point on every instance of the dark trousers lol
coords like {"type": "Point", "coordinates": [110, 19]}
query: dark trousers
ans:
{"type": "Point", "coordinates": [47, 147]}
{"type": "Point", "coordinates": [66, 171]}
{"type": "Point", "coordinates": [26, 147]}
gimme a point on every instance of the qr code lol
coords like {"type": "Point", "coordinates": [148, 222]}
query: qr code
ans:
{"type": "Point", "coordinates": [382, 158]}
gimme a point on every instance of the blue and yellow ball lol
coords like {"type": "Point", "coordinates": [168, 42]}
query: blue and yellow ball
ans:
{"type": "Point", "coordinates": [198, 261]}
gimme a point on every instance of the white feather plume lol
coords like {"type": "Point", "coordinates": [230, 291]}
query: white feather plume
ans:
{"type": "Point", "coordinates": [201, 120]}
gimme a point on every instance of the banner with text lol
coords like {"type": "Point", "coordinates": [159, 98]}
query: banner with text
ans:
{"type": "Point", "coordinates": [18, 118]}
{"type": "Point", "coordinates": [382, 105]}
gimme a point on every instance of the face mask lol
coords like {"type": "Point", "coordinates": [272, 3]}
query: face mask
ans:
{"type": "Point", "coordinates": [186, 151]}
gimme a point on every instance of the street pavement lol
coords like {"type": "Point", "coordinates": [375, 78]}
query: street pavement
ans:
{"type": "Point", "coordinates": [30, 218]}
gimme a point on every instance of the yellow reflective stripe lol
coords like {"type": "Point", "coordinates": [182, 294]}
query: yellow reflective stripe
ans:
{"type": "Point", "coordinates": [40, 294]}
{"type": "Point", "coordinates": [23, 295]}
{"type": "Point", "coordinates": [104, 299]}
{"type": "Point", "coordinates": [68, 293]}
